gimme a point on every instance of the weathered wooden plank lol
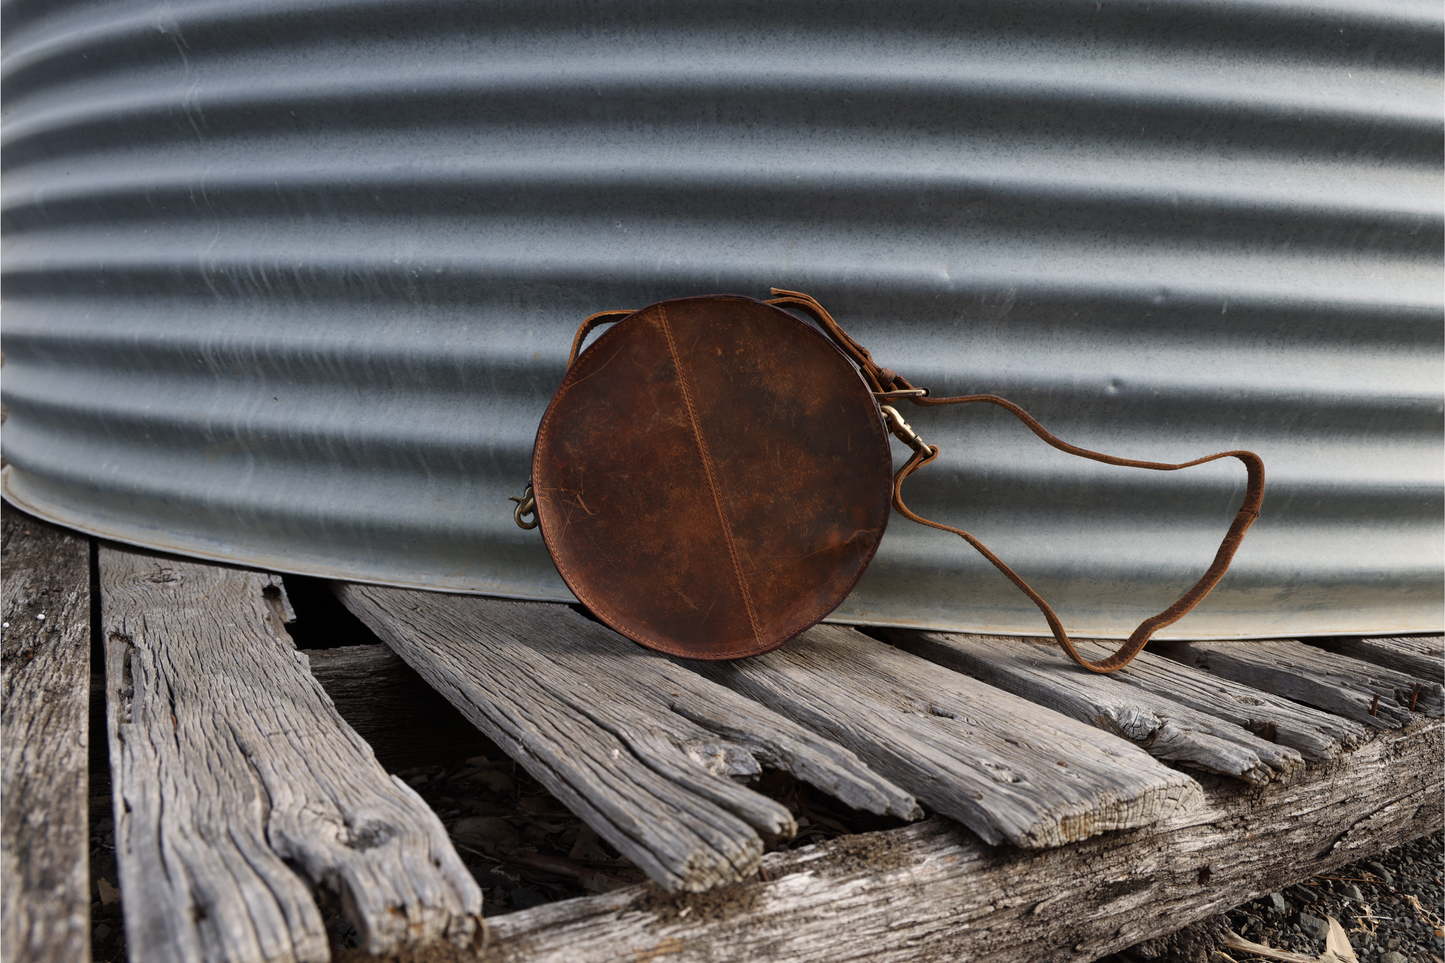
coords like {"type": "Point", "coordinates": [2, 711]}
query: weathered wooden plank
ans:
{"type": "Point", "coordinates": [1006, 768]}
{"type": "Point", "coordinates": [640, 748]}
{"type": "Point", "coordinates": [1420, 656]}
{"type": "Point", "coordinates": [239, 789]}
{"type": "Point", "coordinates": [403, 719]}
{"type": "Point", "coordinates": [1160, 724]}
{"type": "Point", "coordinates": [1376, 696]}
{"type": "Point", "coordinates": [45, 866]}
{"type": "Point", "coordinates": [931, 892]}
{"type": "Point", "coordinates": [1318, 736]}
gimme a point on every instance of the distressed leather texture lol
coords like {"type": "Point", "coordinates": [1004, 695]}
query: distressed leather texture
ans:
{"type": "Point", "coordinates": [712, 477]}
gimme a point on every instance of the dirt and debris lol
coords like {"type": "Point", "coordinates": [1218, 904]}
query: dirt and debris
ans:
{"type": "Point", "coordinates": [714, 905]}
{"type": "Point", "coordinates": [866, 853]}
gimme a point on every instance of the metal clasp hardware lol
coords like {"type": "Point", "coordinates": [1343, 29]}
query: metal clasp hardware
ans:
{"type": "Point", "coordinates": [526, 505]}
{"type": "Point", "coordinates": [905, 431]}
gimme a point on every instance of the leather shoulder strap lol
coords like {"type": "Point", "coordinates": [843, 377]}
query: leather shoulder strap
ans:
{"type": "Point", "coordinates": [590, 323]}
{"type": "Point", "coordinates": [888, 386]}
{"type": "Point", "coordinates": [1243, 519]}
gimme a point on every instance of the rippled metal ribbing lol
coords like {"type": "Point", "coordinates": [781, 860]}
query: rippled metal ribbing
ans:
{"type": "Point", "coordinates": [290, 284]}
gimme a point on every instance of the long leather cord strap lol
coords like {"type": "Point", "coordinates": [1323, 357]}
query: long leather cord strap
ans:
{"type": "Point", "coordinates": [1248, 512]}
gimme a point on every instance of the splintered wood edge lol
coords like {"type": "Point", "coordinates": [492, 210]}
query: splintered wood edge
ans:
{"type": "Point", "coordinates": [932, 892]}
{"type": "Point", "coordinates": [44, 842]}
{"type": "Point", "coordinates": [1000, 765]}
{"type": "Point", "coordinates": [592, 771]}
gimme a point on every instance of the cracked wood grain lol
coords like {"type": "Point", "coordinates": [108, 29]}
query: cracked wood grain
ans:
{"type": "Point", "coordinates": [44, 849]}
{"type": "Point", "coordinates": [1421, 656]}
{"type": "Point", "coordinates": [639, 747]}
{"type": "Point", "coordinates": [1372, 694]}
{"type": "Point", "coordinates": [240, 794]}
{"type": "Point", "coordinates": [1004, 767]}
{"type": "Point", "coordinates": [1171, 711]}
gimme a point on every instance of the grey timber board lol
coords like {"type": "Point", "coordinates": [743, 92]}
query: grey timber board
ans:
{"type": "Point", "coordinates": [1171, 711]}
{"type": "Point", "coordinates": [1362, 691]}
{"type": "Point", "coordinates": [932, 892]}
{"type": "Point", "coordinates": [403, 719]}
{"type": "Point", "coordinates": [44, 845]}
{"type": "Point", "coordinates": [1418, 656]}
{"type": "Point", "coordinates": [1004, 767]}
{"type": "Point", "coordinates": [239, 791]}
{"type": "Point", "coordinates": [639, 747]}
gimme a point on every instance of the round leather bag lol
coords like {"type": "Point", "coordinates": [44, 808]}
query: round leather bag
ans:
{"type": "Point", "coordinates": [712, 477]}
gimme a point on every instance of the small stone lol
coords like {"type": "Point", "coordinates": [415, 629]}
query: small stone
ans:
{"type": "Point", "coordinates": [108, 893]}
{"type": "Point", "coordinates": [1351, 891]}
{"type": "Point", "coordinates": [1385, 875]}
{"type": "Point", "coordinates": [1392, 957]}
{"type": "Point", "coordinates": [1274, 903]}
{"type": "Point", "coordinates": [100, 932]}
{"type": "Point", "coordinates": [1313, 927]}
{"type": "Point", "coordinates": [1304, 893]}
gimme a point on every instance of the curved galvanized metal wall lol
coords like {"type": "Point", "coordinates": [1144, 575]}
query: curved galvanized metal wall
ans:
{"type": "Point", "coordinates": [290, 284]}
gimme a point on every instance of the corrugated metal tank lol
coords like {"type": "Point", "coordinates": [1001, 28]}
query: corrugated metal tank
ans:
{"type": "Point", "coordinates": [290, 284]}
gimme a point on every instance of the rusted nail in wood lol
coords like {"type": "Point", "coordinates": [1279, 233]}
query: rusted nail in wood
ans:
{"type": "Point", "coordinates": [763, 873]}
{"type": "Point", "coordinates": [1375, 705]}
{"type": "Point", "coordinates": [1415, 694]}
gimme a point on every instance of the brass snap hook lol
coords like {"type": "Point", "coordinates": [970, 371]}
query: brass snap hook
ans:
{"type": "Point", "coordinates": [905, 431]}
{"type": "Point", "coordinates": [526, 505]}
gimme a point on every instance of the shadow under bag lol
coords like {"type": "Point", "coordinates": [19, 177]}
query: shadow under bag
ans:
{"type": "Point", "coordinates": [714, 475]}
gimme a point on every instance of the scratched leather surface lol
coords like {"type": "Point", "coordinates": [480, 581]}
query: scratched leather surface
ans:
{"type": "Point", "coordinates": [712, 477]}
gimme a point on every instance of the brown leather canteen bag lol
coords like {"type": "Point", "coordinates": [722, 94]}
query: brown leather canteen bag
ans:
{"type": "Point", "coordinates": [714, 474]}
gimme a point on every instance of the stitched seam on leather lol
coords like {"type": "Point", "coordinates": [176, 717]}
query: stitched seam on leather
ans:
{"type": "Point", "coordinates": [711, 473]}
